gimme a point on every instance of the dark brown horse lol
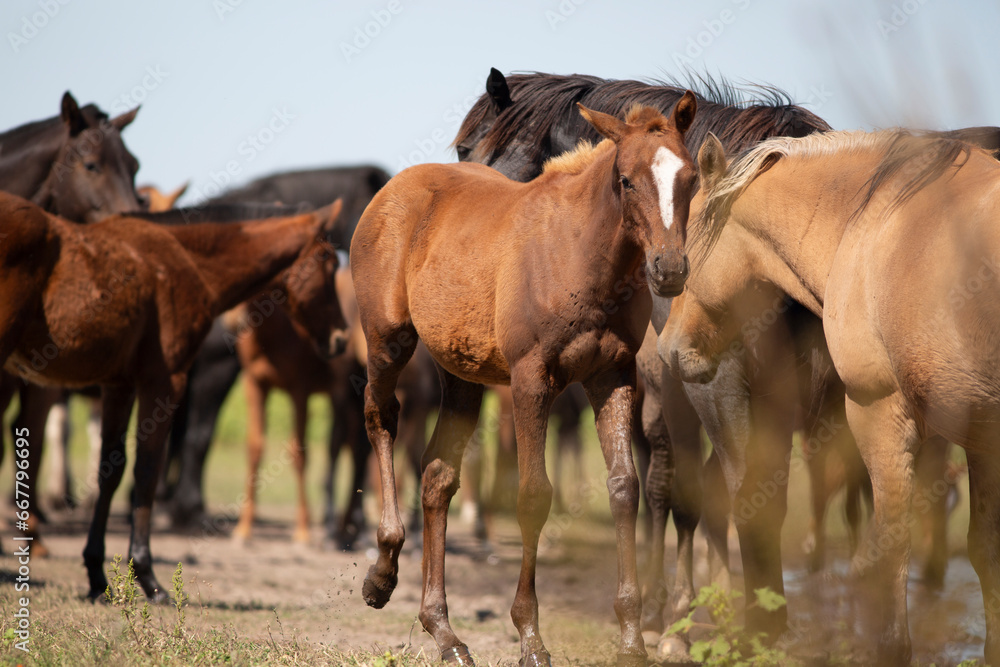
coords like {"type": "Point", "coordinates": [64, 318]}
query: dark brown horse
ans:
{"type": "Point", "coordinates": [124, 304]}
{"type": "Point", "coordinates": [515, 283]}
{"type": "Point", "coordinates": [74, 165]}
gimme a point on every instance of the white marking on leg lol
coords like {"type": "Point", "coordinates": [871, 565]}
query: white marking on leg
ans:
{"type": "Point", "coordinates": [665, 166]}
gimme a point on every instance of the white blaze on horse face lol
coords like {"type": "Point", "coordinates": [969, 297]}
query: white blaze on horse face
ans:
{"type": "Point", "coordinates": [665, 166]}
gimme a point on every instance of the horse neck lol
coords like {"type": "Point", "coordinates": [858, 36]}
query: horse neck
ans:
{"type": "Point", "coordinates": [26, 162]}
{"type": "Point", "coordinates": [790, 220]}
{"type": "Point", "coordinates": [604, 244]}
{"type": "Point", "coordinates": [237, 260]}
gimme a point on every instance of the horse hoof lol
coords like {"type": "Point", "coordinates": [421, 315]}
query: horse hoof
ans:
{"type": "Point", "coordinates": [377, 589]}
{"type": "Point", "coordinates": [457, 655]}
{"type": "Point", "coordinates": [537, 659]}
{"type": "Point", "coordinates": [672, 649]}
{"type": "Point", "coordinates": [631, 660]}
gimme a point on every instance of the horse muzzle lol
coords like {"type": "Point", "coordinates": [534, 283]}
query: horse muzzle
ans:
{"type": "Point", "coordinates": [667, 272]}
{"type": "Point", "coordinates": [338, 342]}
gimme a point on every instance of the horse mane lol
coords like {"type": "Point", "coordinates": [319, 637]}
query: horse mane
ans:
{"type": "Point", "coordinates": [576, 160]}
{"type": "Point", "coordinates": [925, 157]}
{"type": "Point", "coordinates": [29, 134]}
{"type": "Point", "coordinates": [221, 213]}
{"type": "Point", "coordinates": [740, 116]}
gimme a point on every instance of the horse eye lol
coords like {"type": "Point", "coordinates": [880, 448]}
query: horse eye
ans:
{"type": "Point", "coordinates": [463, 153]}
{"type": "Point", "coordinates": [627, 184]}
{"type": "Point", "coordinates": [92, 167]}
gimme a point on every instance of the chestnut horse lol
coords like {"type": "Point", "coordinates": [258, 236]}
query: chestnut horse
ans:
{"type": "Point", "coordinates": [517, 125]}
{"type": "Point", "coordinates": [124, 304]}
{"type": "Point", "coordinates": [515, 283]}
{"type": "Point", "coordinates": [892, 239]}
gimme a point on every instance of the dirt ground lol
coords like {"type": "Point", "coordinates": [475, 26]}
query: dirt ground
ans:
{"type": "Point", "coordinates": [313, 594]}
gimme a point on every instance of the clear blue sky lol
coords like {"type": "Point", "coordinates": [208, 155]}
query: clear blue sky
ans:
{"type": "Point", "coordinates": [296, 76]}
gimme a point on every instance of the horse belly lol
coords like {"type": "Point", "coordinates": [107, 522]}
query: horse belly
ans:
{"type": "Point", "coordinates": [463, 343]}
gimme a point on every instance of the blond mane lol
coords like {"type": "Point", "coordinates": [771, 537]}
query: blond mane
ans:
{"type": "Point", "coordinates": [935, 151]}
{"type": "Point", "coordinates": [576, 160]}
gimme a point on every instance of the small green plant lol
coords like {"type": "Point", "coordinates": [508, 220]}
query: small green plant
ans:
{"type": "Point", "coordinates": [123, 593]}
{"type": "Point", "coordinates": [180, 598]}
{"type": "Point", "coordinates": [729, 645]}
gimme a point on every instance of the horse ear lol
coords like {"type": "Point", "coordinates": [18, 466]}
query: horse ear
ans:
{"type": "Point", "coordinates": [177, 194]}
{"type": "Point", "coordinates": [684, 110]}
{"type": "Point", "coordinates": [123, 121]}
{"type": "Point", "coordinates": [328, 216]}
{"type": "Point", "coordinates": [711, 162]}
{"type": "Point", "coordinates": [497, 89]}
{"type": "Point", "coordinates": [71, 115]}
{"type": "Point", "coordinates": [606, 124]}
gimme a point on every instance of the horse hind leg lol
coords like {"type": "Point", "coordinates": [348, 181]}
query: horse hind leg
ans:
{"type": "Point", "coordinates": [389, 348]}
{"type": "Point", "coordinates": [256, 393]}
{"type": "Point", "coordinates": [297, 448]}
{"type": "Point", "coordinates": [441, 469]}
{"type": "Point", "coordinates": [984, 545]}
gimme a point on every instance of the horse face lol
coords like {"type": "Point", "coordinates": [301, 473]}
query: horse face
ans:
{"type": "Point", "coordinates": [313, 301]}
{"type": "Point", "coordinates": [655, 182]}
{"type": "Point", "coordinates": [94, 174]}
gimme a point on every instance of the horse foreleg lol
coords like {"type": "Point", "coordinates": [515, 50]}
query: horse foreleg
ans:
{"type": "Point", "coordinates": [887, 438]}
{"type": "Point", "coordinates": [442, 464]}
{"type": "Point", "coordinates": [34, 411]}
{"type": "Point", "coordinates": [613, 397]}
{"type": "Point", "coordinates": [659, 482]}
{"type": "Point", "coordinates": [256, 393]}
{"type": "Point", "coordinates": [297, 448]}
{"type": "Point", "coordinates": [984, 546]}
{"type": "Point", "coordinates": [117, 403]}
{"type": "Point", "coordinates": [932, 503]}
{"type": "Point", "coordinates": [533, 397]}
{"type": "Point", "coordinates": [157, 404]}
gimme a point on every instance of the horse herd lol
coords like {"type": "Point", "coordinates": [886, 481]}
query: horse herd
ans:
{"type": "Point", "coordinates": [709, 263]}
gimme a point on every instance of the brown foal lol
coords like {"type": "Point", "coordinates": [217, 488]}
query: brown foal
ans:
{"type": "Point", "coordinates": [535, 285]}
{"type": "Point", "coordinates": [124, 304]}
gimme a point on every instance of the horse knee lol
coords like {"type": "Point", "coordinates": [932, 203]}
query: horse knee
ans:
{"type": "Point", "coordinates": [440, 482]}
{"type": "Point", "coordinates": [534, 499]}
{"type": "Point", "coordinates": [623, 491]}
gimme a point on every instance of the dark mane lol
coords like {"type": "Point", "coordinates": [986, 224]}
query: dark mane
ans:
{"type": "Point", "coordinates": [29, 134]}
{"type": "Point", "coordinates": [218, 213]}
{"type": "Point", "coordinates": [740, 117]}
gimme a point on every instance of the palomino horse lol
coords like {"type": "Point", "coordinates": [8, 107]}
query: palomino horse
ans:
{"type": "Point", "coordinates": [125, 304]}
{"type": "Point", "coordinates": [515, 127]}
{"type": "Point", "coordinates": [155, 201]}
{"type": "Point", "coordinates": [515, 283]}
{"type": "Point", "coordinates": [892, 240]}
